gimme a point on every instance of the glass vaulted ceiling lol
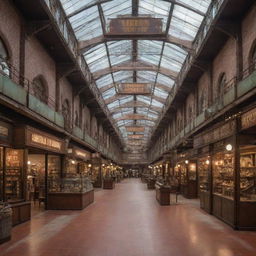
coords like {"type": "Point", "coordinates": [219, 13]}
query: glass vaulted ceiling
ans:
{"type": "Point", "coordinates": [107, 59]}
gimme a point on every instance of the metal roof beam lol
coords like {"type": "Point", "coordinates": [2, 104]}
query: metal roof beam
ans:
{"type": "Point", "coordinates": [87, 44]}
{"type": "Point", "coordinates": [135, 66]}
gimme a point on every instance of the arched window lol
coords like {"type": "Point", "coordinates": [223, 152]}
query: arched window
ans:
{"type": "Point", "coordinates": [4, 66]}
{"type": "Point", "coordinates": [66, 114]}
{"type": "Point", "coordinates": [40, 89]}
{"type": "Point", "coordinates": [202, 102]}
{"type": "Point", "coordinates": [252, 57]}
{"type": "Point", "coordinates": [221, 85]}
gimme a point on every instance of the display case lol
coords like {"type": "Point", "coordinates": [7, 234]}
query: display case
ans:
{"type": "Point", "coordinates": [14, 175]}
{"type": "Point", "coordinates": [204, 178]}
{"type": "Point", "coordinates": [70, 193]}
{"type": "Point", "coordinates": [162, 193]}
{"type": "Point", "coordinates": [96, 175]}
{"type": "Point", "coordinates": [248, 174]}
{"type": "Point", "coordinates": [54, 170]}
{"type": "Point", "coordinates": [223, 186]}
{"type": "Point", "coordinates": [223, 175]}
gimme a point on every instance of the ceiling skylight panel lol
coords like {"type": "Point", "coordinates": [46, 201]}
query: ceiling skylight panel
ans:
{"type": "Point", "coordinates": [185, 23]}
{"type": "Point", "coordinates": [87, 24]}
{"type": "Point", "coordinates": [144, 99]}
{"type": "Point", "coordinates": [158, 92]}
{"type": "Point", "coordinates": [155, 8]}
{"type": "Point", "coordinates": [71, 6]}
{"type": "Point", "coordinates": [147, 75]}
{"type": "Point", "coordinates": [107, 79]}
{"type": "Point", "coordinates": [96, 58]}
{"type": "Point", "coordinates": [117, 115]}
{"type": "Point", "coordinates": [162, 79]}
{"type": "Point", "coordinates": [109, 93]}
{"type": "Point", "coordinates": [157, 103]}
{"type": "Point", "coordinates": [201, 5]}
{"type": "Point", "coordinates": [171, 64]}
{"type": "Point", "coordinates": [123, 76]}
{"type": "Point", "coordinates": [126, 99]}
{"type": "Point", "coordinates": [120, 51]}
{"type": "Point", "coordinates": [113, 105]}
{"type": "Point", "coordinates": [116, 7]}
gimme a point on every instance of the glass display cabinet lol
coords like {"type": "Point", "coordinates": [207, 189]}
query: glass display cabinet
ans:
{"type": "Point", "coordinates": [69, 193]}
{"type": "Point", "coordinates": [204, 179]}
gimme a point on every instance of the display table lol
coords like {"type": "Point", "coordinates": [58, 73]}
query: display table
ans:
{"type": "Point", "coordinates": [69, 201]}
{"type": "Point", "coordinates": [108, 184]}
{"type": "Point", "coordinates": [21, 212]}
{"type": "Point", "coordinates": [151, 183]}
{"type": "Point", "coordinates": [162, 193]}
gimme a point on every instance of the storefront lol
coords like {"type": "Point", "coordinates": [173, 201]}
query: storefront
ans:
{"type": "Point", "coordinates": [185, 173]}
{"type": "Point", "coordinates": [228, 171]}
{"type": "Point", "coordinates": [43, 162]}
{"type": "Point", "coordinates": [77, 162]}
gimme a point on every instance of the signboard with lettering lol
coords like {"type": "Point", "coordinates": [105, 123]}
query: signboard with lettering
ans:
{"type": "Point", "coordinates": [29, 136]}
{"type": "Point", "coordinates": [79, 153]}
{"type": "Point", "coordinates": [135, 136]}
{"type": "Point", "coordinates": [135, 25]}
{"type": "Point", "coordinates": [135, 128]}
{"type": "Point", "coordinates": [221, 132]}
{"type": "Point", "coordinates": [134, 88]}
{"type": "Point", "coordinates": [248, 119]}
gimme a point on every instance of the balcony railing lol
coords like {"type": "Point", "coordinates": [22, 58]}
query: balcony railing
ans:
{"type": "Point", "coordinates": [233, 90]}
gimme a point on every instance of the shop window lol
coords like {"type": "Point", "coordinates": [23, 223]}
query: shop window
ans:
{"type": "Point", "coordinates": [40, 89]}
{"type": "Point", "coordinates": [4, 66]}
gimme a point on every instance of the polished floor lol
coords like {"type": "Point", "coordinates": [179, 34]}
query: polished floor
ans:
{"type": "Point", "coordinates": [128, 221]}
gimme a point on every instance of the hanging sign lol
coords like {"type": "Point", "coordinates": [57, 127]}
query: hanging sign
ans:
{"type": "Point", "coordinates": [134, 88]}
{"type": "Point", "coordinates": [135, 128]}
{"type": "Point", "coordinates": [135, 25]}
{"type": "Point", "coordinates": [136, 136]}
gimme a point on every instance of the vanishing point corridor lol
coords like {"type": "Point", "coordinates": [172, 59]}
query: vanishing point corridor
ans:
{"type": "Point", "coordinates": [128, 221]}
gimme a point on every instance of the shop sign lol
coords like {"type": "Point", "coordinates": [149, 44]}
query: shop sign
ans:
{"type": "Point", "coordinates": [134, 88]}
{"type": "Point", "coordinates": [135, 128]}
{"type": "Point", "coordinates": [219, 133]}
{"type": "Point", "coordinates": [135, 25]}
{"type": "Point", "coordinates": [95, 155]}
{"type": "Point", "coordinates": [135, 136]}
{"type": "Point", "coordinates": [45, 141]}
{"type": "Point", "coordinates": [248, 119]}
{"type": "Point", "coordinates": [82, 154]}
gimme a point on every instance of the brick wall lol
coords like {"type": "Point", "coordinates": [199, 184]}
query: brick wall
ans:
{"type": "Point", "coordinates": [248, 35]}
{"type": "Point", "coordinates": [38, 62]}
{"type": "Point", "coordinates": [10, 30]}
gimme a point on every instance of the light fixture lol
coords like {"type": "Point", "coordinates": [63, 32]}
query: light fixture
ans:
{"type": "Point", "coordinates": [186, 161]}
{"type": "Point", "coordinates": [29, 163]}
{"type": "Point", "coordinates": [207, 161]}
{"type": "Point", "coordinates": [178, 165]}
{"type": "Point", "coordinates": [229, 147]}
{"type": "Point", "coordinates": [89, 165]}
{"type": "Point", "coordinates": [73, 162]}
{"type": "Point", "coordinates": [103, 165]}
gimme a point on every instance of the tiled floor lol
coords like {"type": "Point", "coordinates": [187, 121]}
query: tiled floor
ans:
{"type": "Point", "coordinates": [127, 221]}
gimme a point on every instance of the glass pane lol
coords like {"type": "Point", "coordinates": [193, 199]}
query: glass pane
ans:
{"type": "Point", "coordinates": [223, 174]}
{"type": "Point", "coordinates": [14, 175]}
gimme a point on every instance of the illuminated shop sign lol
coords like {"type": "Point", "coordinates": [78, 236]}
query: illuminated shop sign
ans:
{"type": "Point", "coordinates": [45, 141]}
{"type": "Point", "coordinates": [135, 25]}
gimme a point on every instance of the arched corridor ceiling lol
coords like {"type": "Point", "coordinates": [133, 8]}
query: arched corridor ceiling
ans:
{"type": "Point", "coordinates": [155, 61]}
